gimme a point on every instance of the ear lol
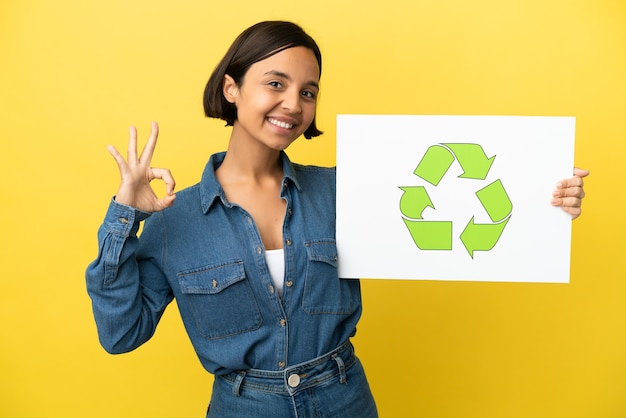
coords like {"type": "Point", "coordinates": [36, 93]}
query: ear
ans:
{"type": "Point", "coordinates": [229, 88]}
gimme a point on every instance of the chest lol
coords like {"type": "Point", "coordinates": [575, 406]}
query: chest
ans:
{"type": "Point", "coordinates": [266, 208]}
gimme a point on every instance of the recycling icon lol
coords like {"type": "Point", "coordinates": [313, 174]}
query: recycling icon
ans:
{"type": "Point", "coordinates": [438, 234]}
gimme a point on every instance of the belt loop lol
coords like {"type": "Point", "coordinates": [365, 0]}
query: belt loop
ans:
{"type": "Point", "coordinates": [342, 368]}
{"type": "Point", "coordinates": [237, 384]}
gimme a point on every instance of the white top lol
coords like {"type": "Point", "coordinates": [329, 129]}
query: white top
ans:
{"type": "Point", "coordinates": [275, 260]}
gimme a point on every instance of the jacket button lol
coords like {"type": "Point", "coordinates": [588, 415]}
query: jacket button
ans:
{"type": "Point", "coordinates": [281, 364]}
{"type": "Point", "coordinates": [293, 380]}
{"type": "Point", "coordinates": [288, 283]}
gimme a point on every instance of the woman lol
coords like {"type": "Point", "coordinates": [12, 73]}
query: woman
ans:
{"type": "Point", "coordinates": [249, 252]}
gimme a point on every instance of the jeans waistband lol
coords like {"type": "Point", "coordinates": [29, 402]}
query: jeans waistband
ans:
{"type": "Point", "coordinates": [297, 377]}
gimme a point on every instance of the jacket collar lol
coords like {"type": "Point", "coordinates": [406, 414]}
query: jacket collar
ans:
{"type": "Point", "coordinates": [211, 190]}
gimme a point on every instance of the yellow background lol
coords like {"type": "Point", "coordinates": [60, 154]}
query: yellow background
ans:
{"type": "Point", "coordinates": [75, 74]}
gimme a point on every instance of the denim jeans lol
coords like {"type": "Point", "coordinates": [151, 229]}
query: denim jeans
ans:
{"type": "Point", "coordinates": [330, 386]}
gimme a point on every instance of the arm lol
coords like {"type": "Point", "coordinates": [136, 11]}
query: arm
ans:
{"type": "Point", "coordinates": [129, 295]}
{"type": "Point", "coordinates": [570, 192]}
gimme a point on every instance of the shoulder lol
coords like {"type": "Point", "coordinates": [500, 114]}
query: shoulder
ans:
{"type": "Point", "coordinates": [189, 192]}
{"type": "Point", "coordinates": [186, 201]}
{"type": "Point", "coordinates": [315, 173]}
{"type": "Point", "coordinates": [316, 180]}
{"type": "Point", "coordinates": [316, 184]}
{"type": "Point", "coordinates": [314, 168]}
{"type": "Point", "coordinates": [186, 207]}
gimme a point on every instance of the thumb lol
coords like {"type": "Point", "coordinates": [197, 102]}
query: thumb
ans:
{"type": "Point", "coordinates": [579, 172]}
{"type": "Point", "coordinates": [166, 202]}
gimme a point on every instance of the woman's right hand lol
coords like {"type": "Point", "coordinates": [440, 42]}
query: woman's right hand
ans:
{"type": "Point", "coordinates": [137, 174]}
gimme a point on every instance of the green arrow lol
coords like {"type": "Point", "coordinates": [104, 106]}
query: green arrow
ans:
{"type": "Point", "coordinates": [481, 237]}
{"type": "Point", "coordinates": [472, 159]}
{"type": "Point", "coordinates": [495, 201]}
{"type": "Point", "coordinates": [434, 164]}
{"type": "Point", "coordinates": [435, 235]}
{"type": "Point", "coordinates": [414, 200]}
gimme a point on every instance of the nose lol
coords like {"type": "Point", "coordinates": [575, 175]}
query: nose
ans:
{"type": "Point", "coordinates": [291, 101]}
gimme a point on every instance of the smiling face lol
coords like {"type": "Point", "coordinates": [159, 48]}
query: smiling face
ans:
{"type": "Point", "coordinates": [277, 98]}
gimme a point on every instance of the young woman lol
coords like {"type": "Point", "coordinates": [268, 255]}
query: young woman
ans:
{"type": "Point", "coordinates": [249, 252]}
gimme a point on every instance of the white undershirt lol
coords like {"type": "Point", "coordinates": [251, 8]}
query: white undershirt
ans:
{"type": "Point", "coordinates": [275, 260]}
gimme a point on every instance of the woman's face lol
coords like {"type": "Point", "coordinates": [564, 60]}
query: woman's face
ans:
{"type": "Point", "coordinates": [277, 98]}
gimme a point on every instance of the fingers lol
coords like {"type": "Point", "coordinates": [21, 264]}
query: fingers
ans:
{"type": "Point", "coordinates": [135, 189]}
{"type": "Point", "coordinates": [166, 176]}
{"type": "Point", "coordinates": [131, 153]}
{"type": "Point", "coordinates": [148, 150]}
{"type": "Point", "coordinates": [570, 182]}
{"type": "Point", "coordinates": [570, 192]}
{"type": "Point", "coordinates": [579, 172]}
{"type": "Point", "coordinates": [574, 212]}
{"type": "Point", "coordinates": [131, 159]}
{"type": "Point", "coordinates": [121, 163]}
{"type": "Point", "coordinates": [165, 202]}
{"type": "Point", "coordinates": [573, 186]}
{"type": "Point", "coordinates": [571, 205]}
{"type": "Point", "coordinates": [567, 202]}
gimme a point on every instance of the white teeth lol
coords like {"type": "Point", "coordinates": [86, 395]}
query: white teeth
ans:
{"type": "Point", "coordinates": [280, 124]}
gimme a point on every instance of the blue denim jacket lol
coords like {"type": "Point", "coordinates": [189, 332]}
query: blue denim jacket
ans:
{"type": "Point", "coordinates": [207, 254]}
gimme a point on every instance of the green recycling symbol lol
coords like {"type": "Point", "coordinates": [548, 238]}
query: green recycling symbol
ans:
{"type": "Point", "coordinates": [437, 235]}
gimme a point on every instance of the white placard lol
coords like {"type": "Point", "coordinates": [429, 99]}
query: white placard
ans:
{"type": "Point", "coordinates": [420, 197]}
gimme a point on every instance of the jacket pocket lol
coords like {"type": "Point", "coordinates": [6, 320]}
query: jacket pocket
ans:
{"type": "Point", "coordinates": [220, 299]}
{"type": "Point", "coordinates": [324, 291]}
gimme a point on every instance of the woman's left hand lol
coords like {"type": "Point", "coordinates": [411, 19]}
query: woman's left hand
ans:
{"type": "Point", "coordinates": [570, 192]}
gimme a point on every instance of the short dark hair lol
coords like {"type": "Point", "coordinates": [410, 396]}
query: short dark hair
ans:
{"type": "Point", "coordinates": [256, 43]}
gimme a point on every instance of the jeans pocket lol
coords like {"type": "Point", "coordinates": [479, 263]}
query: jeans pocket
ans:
{"type": "Point", "coordinates": [324, 291]}
{"type": "Point", "coordinates": [221, 299]}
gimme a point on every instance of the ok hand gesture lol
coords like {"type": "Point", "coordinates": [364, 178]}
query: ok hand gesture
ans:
{"type": "Point", "coordinates": [136, 173]}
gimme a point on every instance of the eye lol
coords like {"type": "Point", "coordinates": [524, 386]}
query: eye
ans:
{"type": "Point", "coordinates": [309, 94]}
{"type": "Point", "coordinates": [275, 84]}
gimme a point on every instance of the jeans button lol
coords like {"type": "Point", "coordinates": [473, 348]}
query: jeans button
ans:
{"type": "Point", "coordinates": [293, 380]}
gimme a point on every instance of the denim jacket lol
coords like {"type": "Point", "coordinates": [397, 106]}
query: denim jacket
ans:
{"type": "Point", "coordinates": [207, 254]}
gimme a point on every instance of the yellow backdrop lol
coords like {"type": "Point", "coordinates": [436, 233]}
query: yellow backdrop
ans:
{"type": "Point", "coordinates": [74, 74]}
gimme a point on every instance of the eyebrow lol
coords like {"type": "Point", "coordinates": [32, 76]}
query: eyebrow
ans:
{"type": "Point", "coordinates": [286, 76]}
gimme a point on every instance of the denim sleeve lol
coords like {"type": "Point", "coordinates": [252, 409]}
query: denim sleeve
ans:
{"type": "Point", "coordinates": [128, 295]}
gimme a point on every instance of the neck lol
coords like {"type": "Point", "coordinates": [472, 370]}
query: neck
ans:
{"type": "Point", "coordinates": [250, 160]}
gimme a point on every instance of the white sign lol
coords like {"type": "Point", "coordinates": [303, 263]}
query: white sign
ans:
{"type": "Point", "coordinates": [453, 197]}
